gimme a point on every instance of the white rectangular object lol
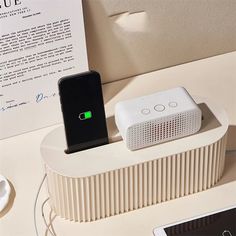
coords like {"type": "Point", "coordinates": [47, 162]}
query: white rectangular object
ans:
{"type": "Point", "coordinates": [157, 118]}
{"type": "Point", "coordinates": [40, 42]}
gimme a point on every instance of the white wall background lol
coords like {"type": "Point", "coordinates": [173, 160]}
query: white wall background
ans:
{"type": "Point", "coordinates": [127, 38]}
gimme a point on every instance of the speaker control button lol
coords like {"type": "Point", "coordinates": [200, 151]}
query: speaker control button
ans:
{"type": "Point", "coordinates": [145, 111]}
{"type": "Point", "coordinates": [159, 108]}
{"type": "Point", "coordinates": [173, 104]}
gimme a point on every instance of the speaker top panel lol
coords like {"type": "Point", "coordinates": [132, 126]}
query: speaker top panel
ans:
{"type": "Point", "coordinates": [154, 106]}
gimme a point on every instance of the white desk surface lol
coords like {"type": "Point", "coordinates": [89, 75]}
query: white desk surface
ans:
{"type": "Point", "coordinates": [21, 163]}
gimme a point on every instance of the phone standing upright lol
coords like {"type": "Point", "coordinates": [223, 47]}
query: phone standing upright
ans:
{"type": "Point", "coordinates": [83, 111]}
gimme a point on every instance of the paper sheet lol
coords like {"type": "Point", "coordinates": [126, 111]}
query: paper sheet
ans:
{"type": "Point", "coordinates": [40, 42]}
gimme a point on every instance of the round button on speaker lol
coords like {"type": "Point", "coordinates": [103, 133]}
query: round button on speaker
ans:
{"type": "Point", "coordinates": [159, 107]}
{"type": "Point", "coordinates": [173, 104]}
{"type": "Point", "coordinates": [145, 111]}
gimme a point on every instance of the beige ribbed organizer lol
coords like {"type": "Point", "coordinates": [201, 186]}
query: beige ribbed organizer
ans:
{"type": "Point", "coordinates": [110, 180]}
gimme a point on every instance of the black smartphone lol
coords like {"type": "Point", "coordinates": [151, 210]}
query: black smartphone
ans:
{"type": "Point", "coordinates": [220, 223]}
{"type": "Point", "coordinates": [83, 111]}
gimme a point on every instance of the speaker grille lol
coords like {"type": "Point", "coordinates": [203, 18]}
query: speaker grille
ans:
{"type": "Point", "coordinates": [163, 129]}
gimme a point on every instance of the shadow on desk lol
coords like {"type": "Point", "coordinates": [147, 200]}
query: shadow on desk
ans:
{"type": "Point", "coordinates": [231, 139]}
{"type": "Point", "coordinates": [229, 174]}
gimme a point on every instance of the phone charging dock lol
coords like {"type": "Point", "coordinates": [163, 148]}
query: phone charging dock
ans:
{"type": "Point", "coordinates": [109, 180]}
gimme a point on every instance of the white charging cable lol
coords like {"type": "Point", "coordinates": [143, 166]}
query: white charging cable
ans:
{"type": "Point", "coordinates": [35, 204]}
{"type": "Point", "coordinates": [48, 225]}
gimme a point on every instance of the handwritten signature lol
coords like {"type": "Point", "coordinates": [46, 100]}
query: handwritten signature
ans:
{"type": "Point", "coordinates": [40, 97]}
{"type": "Point", "coordinates": [12, 105]}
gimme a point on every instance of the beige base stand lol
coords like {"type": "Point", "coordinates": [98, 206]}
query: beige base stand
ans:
{"type": "Point", "coordinates": [110, 180]}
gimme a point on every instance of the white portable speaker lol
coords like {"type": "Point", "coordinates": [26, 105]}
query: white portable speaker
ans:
{"type": "Point", "coordinates": [157, 118]}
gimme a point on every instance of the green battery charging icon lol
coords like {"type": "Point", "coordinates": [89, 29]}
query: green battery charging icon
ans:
{"type": "Point", "coordinates": [85, 115]}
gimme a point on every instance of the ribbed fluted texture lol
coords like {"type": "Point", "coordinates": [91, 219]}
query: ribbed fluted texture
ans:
{"type": "Point", "coordinates": [122, 190]}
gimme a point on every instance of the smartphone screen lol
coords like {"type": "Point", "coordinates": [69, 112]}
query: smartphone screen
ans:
{"type": "Point", "coordinates": [83, 111]}
{"type": "Point", "coordinates": [218, 224]}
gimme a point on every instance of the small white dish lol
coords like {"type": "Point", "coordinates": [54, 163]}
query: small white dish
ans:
{"type": "Point", "coordinates": [5, 191]}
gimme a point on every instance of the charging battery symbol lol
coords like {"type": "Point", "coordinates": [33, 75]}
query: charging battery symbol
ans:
{"type": "Point", "coordinates": [85, 115]}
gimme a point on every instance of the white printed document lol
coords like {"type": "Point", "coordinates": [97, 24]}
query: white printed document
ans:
{"type": "Point", "coordinates": [40, 42]}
